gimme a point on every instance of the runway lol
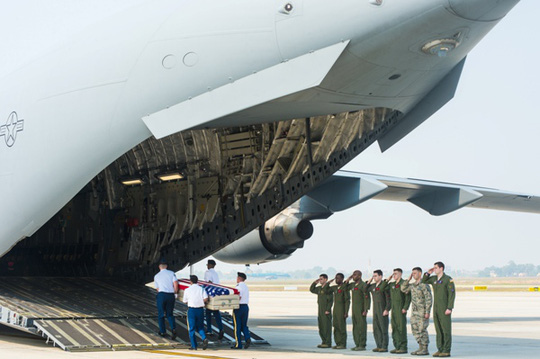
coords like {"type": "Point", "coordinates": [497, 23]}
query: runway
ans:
{"type": "Point", "coordinates": [485, 325]}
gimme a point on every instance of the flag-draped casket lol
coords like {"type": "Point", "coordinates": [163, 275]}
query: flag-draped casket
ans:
{"type": "Point", "coordinates": [220, 297]}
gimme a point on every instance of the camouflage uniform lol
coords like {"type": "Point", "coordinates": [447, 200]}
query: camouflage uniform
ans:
{"type": "Point", "coordinates": [421, 300]}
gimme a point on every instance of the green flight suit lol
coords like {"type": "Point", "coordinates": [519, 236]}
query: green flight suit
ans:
{"type": "Point", "coordinates": [360, 303]}
{"type": "Point", "coordinates": [399, 301]}
{"type": "Point", "coordinates": [381, 302]}
{"type": "Point", "coordinates": [444, 294]}
{"type": "Point", "coordinates": [342, 302]}
{"type": "Point", "coordinates": [325, 299]}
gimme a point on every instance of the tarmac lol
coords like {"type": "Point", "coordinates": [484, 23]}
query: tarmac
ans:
{"type": "Point", "coordinates": [485, 325]}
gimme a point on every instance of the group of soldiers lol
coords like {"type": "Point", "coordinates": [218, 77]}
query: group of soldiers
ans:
{"type": "Point", "coordinates": [387, 298]}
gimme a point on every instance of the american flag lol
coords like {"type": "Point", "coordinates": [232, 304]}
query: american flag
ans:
{"type": "Point", "coordinates": [211, 288]}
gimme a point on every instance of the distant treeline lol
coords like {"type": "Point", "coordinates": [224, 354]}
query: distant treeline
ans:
{"type": "Point", "coordinates": [511, 270]}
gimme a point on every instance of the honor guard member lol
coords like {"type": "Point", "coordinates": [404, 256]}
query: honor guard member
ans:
{"type": "Point", "coordinates": [360, 307]}
{"type": "Point", "coordinates": [381, 306]}
{"type": "Point", "coordinates": [241, 314]}
{"type": "Point", "coordinates": [211, 276]}
{"type": "Point", "coordinates": [195, 297]}
{"type": "Point", "coordinates": [400, 303]}
{"type": "Point", "coordinates": [325, 299]}
{"type": "Point", "coordinates": [166, 285]}
{"type": "Point", "coordinates": [342, 302]}
{"type": "Point", "coordinates": [444, 293]}
{"type": "Point", "coordinates": [421, 300]}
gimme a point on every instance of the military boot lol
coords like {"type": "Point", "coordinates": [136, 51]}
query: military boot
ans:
{"type": "Point", "coordinates": [437, 354]}
{"type": "Point", "coordinates": [423, 350]}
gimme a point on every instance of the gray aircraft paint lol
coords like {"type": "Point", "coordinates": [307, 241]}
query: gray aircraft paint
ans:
{"type": "Point", "coordinates": [84, 95]}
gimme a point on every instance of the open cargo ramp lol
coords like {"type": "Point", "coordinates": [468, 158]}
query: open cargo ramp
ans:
{"type": "Point", "coordinates": [81, 314]}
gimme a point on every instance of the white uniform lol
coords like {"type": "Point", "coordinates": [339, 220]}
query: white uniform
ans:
{"type": "Point", "coordinates": [164, 280]}
{"type": "Point", "coordinates": [244, 292]}
{"type": "Point", "coordinates": [194, 296]}
{"type": "Point", "coordinates": [211, 276]}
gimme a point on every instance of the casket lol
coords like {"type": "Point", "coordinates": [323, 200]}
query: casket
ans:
{"type": "Point", "coordinates": [220, 297]}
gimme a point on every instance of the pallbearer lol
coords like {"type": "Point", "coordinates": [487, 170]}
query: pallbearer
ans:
{"type": "Point", "coordinates": [360, 307]}
{"type": "Point", "coordinates": [400, 304]}
{"type": "Point", "coordinates": [211, 276]}
{"type": "Point", "coordinates": [166, 285]}
{"type": "Point", "coordinates": [195, 297]}
{"type": "Point", "coordinates": [342, 302]}
{"type": "Point", "coordinates": [325, 299]}
{"type": "Point", "coordinates": [241, 314]}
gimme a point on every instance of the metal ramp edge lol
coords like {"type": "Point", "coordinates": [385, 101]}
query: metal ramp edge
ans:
{"type": "Point", "coordinates": [87, 314]}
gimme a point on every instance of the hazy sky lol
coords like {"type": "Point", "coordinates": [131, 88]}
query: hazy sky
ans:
{"type": "Point", "coordinates": [488, 135]}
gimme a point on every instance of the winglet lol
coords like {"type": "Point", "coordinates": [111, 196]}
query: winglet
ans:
{"type": "Point", "coordinates": [301, 73]}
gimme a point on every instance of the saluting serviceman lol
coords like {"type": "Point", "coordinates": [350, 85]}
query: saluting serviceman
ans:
{"type": "Point", "coordinates": [444, 292]}
{"type": "Point", "coordinates": [360, 307]}
{"type": "Point", "coordinates": [342, 302]}
{"type": "Point", "coordinates": [421, 307]}
{"type": "Point", "coordinates": [400, 304]}
{"type": "Point", "coordinates": [381, 307]}
{"type": "Point", "coordinates": [325, 299]}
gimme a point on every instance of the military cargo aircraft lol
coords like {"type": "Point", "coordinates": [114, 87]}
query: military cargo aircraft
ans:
{"type": "Point", "coordinates": [138, 130]}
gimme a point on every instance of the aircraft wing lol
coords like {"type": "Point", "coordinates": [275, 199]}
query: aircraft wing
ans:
{"type": "Point", "coordinates": [346, 189]}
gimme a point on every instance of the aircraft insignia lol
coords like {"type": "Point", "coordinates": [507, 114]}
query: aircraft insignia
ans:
{"type": "Point", "coordinates": [10, 129]}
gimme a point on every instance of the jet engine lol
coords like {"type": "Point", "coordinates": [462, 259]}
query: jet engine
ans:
{"type": "Point", "coordinates": [276, 239]}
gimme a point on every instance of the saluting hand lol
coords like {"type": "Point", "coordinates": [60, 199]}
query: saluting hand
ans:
{"type": "Point", "coordinates": [410, 277]}
{"type": "Point", "coordinates": [431, 270]}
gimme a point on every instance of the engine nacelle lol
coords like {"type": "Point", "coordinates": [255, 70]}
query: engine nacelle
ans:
{"type": "Point", "coordinates": [275, 240]}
